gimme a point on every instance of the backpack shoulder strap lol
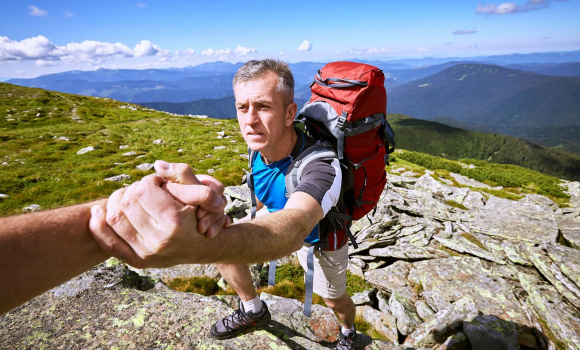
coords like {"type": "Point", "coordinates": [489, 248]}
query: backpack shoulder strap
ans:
{"type": "Point", "coordinates": [317, 151]}
{"type": "Point", "coordinates": [250, 182]}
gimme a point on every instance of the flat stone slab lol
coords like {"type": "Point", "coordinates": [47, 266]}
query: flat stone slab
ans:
{"type": "Point", "coordinates": [524, 222]}
{"type": "Point", "coordinates": [445, 281]}
{"type": "Point", "coordinates": [562, 319]}
{"type": "Point", "coordinates": [571, 232]}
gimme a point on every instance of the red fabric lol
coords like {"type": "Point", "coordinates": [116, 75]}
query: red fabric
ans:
{"type": "Point", "coordinates": [359, 102]}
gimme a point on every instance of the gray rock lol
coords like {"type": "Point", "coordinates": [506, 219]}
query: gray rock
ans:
{"type": "Point", "coordinates": [570, 232]}
{"type": "Point", "coordinates": [443, 324]}
{"type": "Point", "coordinates": [516, 252]}
{"type": "Point", "coordinates": [123, 146]}
{"type": "Point", "coordinates": [474, 200]}
{"type": "Point", "coordinates": [487, 332]}
{"type": "Point", "coordinates": [445, 281]}
{"type": "Point", "coordinates": [32, 207]}
{"type": "Point", "coordinates": [552, 272]}
{"type": "Point", "coordinates": [562, 319]}
{"type": "Point", "coordinates": [408, 252]}
{"type": "Point", "coordinates": [2, 195]}
{"type": "Point", "coordinates": [462, 245]}
{"type": "Point", "coordinates": [362, 298]}
{"type": "Point", "coordinates": [462, 180]}
{"type": "Point", "coordinates": [424, 310]}
{"type": "Point", "coordinates": [131, 153]}
{"type": "Point", "coordinates": [145, 166]}
{"type": "Point", "coordinates": [86, 150]}
{"type": "Point", "coordinates": [382, 322]}
{"type": "Point", "coordinates": [457, 341]}
{"type": "Point", "coordinates": [118, 178]}
{"type": "Point", "coordinates": [404, 311]}
{"type": "Point", "coordinates": [158, 142]}
{"type": "Point", "coordinates": [567, 259]}
{"type": "Point", "coordinates": [523, 222]}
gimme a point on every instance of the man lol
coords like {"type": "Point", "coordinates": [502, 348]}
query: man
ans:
{"type": "Point", "coordinates": [39, 251]}
{"type": "Point", "coordinates": [264, 93]}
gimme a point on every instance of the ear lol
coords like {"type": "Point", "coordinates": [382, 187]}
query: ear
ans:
{"type": "Point", "coordinates": [291, 113]}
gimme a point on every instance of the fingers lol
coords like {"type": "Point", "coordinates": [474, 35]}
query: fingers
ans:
{"type": "Point", "coordinates": [176, 172]}
{"type": "Point", "coordinates": [211, 182]}
{"type": "Point", "coordinates": [197, 195]}
{"type": "Point", "coordinates": [121, 224]}
{"type": "Point", "coordinates": [107, 239]}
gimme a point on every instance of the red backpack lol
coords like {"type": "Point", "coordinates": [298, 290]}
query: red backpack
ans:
{"type": "Point", "coordinates": [347, 110]}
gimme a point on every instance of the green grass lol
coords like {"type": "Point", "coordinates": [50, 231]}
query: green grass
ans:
{"type": "Point", "coordinates": [43, 169]}
{"type": "Point", "coordinates": [508, 176]}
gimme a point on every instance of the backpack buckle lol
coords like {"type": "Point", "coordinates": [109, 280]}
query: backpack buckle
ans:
{"type": "Point", "coordinates": [341, 120]}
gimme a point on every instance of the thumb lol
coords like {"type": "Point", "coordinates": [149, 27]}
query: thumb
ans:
{"type": "Point", "coordinates": [176, 172]}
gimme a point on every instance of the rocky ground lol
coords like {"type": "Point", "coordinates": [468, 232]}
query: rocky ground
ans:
{"type": "Point", "coordinates": [489, 273]}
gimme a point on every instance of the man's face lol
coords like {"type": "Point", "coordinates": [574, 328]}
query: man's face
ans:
{"type": "Point", "coordinates": [262, 116]}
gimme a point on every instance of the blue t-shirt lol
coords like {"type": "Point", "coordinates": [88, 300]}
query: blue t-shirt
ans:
{"type": "Point", "coordinates": [270, 186]}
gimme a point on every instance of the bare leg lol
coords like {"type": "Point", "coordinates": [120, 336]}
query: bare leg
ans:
{"type": "Point", "coordinates": [239, 277]}
{"type": "Point", "coordinates": [345, 309]}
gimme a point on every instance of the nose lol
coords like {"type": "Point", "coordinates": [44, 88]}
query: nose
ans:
{"type": "Point", "coordinates": [252, 116]}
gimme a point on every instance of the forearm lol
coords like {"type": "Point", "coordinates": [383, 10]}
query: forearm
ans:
{"type": "Point", "coordinates": [265, 238]}
{"type": "Point", "coordinates": [39, 251]}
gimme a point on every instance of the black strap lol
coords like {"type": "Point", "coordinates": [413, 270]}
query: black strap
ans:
{"type": "Point", "coordinates": [309, 282]}
{"type": "Point", "coordinates": [338, 82]}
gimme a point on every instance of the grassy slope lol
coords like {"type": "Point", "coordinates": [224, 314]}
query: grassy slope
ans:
{"type": "Point", "coordinates": [445, 141]}
{"type": "Point", "coordinates": [43, 169]}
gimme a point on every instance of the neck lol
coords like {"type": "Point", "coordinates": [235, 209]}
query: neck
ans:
{"type": "Point", "coordinates": [286, 145]}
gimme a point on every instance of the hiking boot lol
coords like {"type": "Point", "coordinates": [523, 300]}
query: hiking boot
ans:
{"type": "Point", "coordinates": [346, 342]}
{"type": "Point", "coordinates": [234, 324]}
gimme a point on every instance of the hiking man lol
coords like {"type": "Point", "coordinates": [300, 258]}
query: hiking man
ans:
{"type": "Point", "coordinates": [264, 94]}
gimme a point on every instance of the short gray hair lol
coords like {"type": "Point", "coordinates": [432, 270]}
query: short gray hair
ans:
{"type": "Point", "coordinates": [257, 68]}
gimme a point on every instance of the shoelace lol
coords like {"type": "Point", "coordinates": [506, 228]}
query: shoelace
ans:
{"type": "Point", "coordinates": [232, 319]}
{"type": "Point", "coordinates": [346, 339]}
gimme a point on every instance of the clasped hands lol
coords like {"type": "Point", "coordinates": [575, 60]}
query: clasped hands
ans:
{"type": "Point", "coordinates": [161, 220]}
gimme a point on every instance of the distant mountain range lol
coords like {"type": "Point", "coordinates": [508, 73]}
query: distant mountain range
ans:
{"type": "Point", "coordinates": [496, 99]}
{"type": "Point", "coordinates": [533, 96]}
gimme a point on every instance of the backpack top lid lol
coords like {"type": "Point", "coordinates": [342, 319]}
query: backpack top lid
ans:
{"type": "Point", "coordinates": [355, 88]}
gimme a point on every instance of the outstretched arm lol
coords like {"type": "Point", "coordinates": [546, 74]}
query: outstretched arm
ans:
{"type": "Point", "coordinates": [39, 251]}
{"type": "Point", "coordinates": [169, 226]}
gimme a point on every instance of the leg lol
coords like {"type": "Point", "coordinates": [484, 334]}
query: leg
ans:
{"type": "Point", "coordinates": [345, 309]}
{"type": "Point", "coordinates": [239, 277]}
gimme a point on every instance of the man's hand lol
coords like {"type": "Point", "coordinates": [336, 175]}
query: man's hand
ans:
{"type": "Point", "coordinates": [153, 222]}
{"type": "Point", "coordinates": [209, 222]}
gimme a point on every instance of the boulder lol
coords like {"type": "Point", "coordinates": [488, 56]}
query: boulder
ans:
{"type": "Point", "coordinates": [488, 332]}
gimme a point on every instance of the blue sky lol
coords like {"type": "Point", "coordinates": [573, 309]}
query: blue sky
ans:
{"type": "Point", "coordinates": [40, 36]}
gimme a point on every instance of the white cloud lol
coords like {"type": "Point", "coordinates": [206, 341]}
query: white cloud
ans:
{"type": "Point", "coordinates": [305, 46]}
{"type": "Point", "coordinates": [185, 53]}
{"type": "Point", "coordinates": [94, 51]}
{"type": "Point", "coordinates": [224, 54]}
{"type": "Point", "coordinates": [35, 11]}
{"type": "Point", "coordinates": [45, 52]}
{"type": "Point", "coordinates": [511, 7]}
{"type": "Point", "coordinates": [464, 31]}
{"type": "Point", "coordinates": [243, 51]}
{"type": "Point", "coordinates": [423, 49]}
{"type": "Point", "coordinates": [146, 48]}
{"type": "Point", "coordinates": [69, 14]}
{"type": "Point", "coordinates": [141, 5]}
{"type": "Point", "coordinates": [27, 49]}
{"type": "Point", "coordinates": [377, 50]}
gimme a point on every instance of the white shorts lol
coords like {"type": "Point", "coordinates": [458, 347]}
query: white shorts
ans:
{"type": "Point", "coordinates": [329, 271]}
